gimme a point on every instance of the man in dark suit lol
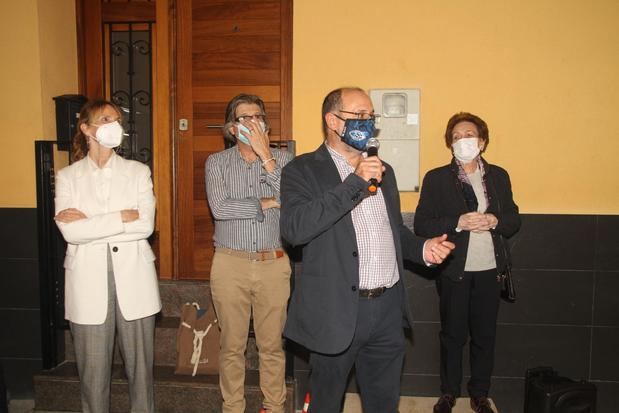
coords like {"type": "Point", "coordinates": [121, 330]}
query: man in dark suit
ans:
{"type": "Point", "coordinates": [349, 303]}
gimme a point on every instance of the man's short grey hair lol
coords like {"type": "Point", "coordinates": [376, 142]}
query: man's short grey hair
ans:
{"type": "Point", "coordinates": [230, 120]}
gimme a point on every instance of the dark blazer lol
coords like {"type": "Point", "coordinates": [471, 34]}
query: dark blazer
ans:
{"type": "Point", "coordinates": [315, 214]}
{"type": "Point", "coordinates": [442, 202]}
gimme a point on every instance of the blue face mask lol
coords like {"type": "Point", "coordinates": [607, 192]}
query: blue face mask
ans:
{"type": "Point", "coordinates": [239, 135]}
{"type": "Point", "coordinates": [242, 130]}
{"type": "Point", "coordinates": [357, 132]}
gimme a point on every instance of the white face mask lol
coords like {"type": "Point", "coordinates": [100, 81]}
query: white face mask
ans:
{"type": "Point", "coordinates": [109, 135]}
{"type": "Point", "coordinates": [466, 149]}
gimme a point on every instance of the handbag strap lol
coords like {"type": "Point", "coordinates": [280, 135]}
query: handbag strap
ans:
{"type": "Point", "coordinates": [508, 257]}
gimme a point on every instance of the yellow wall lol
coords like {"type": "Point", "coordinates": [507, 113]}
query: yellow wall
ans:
{"type": "Point", "coordinates": [38, 45]}
{"type": "Point", "coordinates": [544, 74]}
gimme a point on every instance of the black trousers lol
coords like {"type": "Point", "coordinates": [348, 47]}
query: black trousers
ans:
{"type": "Point", "coordinates": [468, 307]}
{"type": "Point", "coordinates": [376, 351]}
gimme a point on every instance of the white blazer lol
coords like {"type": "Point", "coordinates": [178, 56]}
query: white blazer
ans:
{"type": "Point", "coordinates": [137, 288]}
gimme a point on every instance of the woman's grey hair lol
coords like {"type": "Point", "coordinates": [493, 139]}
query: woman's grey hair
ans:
{"type": "Point", "coordinates": [230, 120]}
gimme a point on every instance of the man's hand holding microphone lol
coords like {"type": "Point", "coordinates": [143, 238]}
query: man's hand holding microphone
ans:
{"type": "Point", "coordinates": [370, 167]}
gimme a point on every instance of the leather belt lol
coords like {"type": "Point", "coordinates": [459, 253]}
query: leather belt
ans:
{"type": "Point", "coordinates": [253, 255]}
{"type": "Point", "coordinates": [372, 293]}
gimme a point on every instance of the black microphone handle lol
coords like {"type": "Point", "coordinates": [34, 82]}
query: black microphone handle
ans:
{"type": "Point", "coordinates": [372, 185]}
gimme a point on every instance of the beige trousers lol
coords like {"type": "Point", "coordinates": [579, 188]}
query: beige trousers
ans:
{"type": "Point", "coordinates": [241, 287]}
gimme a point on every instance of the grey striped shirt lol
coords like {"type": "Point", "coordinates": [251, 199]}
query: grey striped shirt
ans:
{"type": "Point", "coordinates": [234, 188]}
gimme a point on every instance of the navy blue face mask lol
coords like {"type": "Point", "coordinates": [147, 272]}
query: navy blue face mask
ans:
{"type": "Point", "coordinates": [357, 132]}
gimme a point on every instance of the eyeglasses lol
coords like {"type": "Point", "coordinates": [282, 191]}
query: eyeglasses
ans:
{"type": "Point", "coordinates": [247, 118]}
{"type": "Point", "coordinates": [359, 115]}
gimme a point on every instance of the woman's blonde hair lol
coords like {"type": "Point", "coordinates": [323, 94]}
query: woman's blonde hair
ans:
{"type": "Point", "coordinates": [88, 114]}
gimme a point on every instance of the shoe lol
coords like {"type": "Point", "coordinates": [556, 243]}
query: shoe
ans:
{"type": "Point", "coordinates": [481, 405]}
{"type": "Point", "coordinates": [444, 404]}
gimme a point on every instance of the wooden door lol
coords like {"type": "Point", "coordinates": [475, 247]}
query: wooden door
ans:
{"type": "Point", "coordinates": [223, 48]}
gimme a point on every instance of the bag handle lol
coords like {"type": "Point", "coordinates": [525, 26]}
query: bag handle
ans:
{"type": "Point", "coordinates": [506, 252]}
{"type": "Point", "coordinates": [508, 282]}
{"type": "Point", "coordinates": [198, 337]}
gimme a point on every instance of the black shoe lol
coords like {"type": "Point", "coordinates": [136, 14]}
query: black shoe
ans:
{"type": "Point", "coordinates": [481, 405]}
{"type": "Point", "coordinates": [444, 404]}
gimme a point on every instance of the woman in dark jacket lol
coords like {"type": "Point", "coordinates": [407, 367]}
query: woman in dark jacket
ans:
{"type": "Point", "coordinates": [472, 202]}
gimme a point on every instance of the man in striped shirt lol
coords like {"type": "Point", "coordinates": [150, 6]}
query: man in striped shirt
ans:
{"type": "Point", "coordinates": [349, 303]}
{"type": "Point", "coordinates": [250, 274]}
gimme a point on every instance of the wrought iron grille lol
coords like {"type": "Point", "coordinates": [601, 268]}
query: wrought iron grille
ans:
{"type": "Point", "coordinates": [130, 75]}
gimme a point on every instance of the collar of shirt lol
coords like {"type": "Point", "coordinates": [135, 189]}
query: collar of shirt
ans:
{"type": "Point", "coordinates": [102, 180]}
{"type": "Point", "coordinates": [94, 169]}
{"type": "Point", "coordinates": [240, 155]}
{"type": "Point", "coordinates": [340, 160]}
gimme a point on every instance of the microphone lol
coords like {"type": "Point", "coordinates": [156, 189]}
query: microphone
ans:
{"type": "Point", "coordinates": [372, 150]}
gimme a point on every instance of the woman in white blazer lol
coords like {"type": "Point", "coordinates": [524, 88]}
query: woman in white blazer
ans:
{"type": "Point", "coordinates": [105, 209]}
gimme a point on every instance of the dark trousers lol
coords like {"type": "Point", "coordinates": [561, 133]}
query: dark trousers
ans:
{"type": "Point", "coordinates": [376, 351]}
{"type": "Point", "coordinates": [468, 306]}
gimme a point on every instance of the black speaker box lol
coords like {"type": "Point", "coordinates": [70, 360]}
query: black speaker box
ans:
{"type": "Point", "coordinates": [547, 392]}
{"type": "Point", "coordinates": [67, 113]}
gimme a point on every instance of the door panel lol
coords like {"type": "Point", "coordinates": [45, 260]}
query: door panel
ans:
{"type": "Point", "coordinates": [94, 19]}
{"type": "Point", "coordinates": [224, 47]}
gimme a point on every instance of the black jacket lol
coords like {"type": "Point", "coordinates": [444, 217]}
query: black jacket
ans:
{"type": "Point", "coordinates": [442, 202]}
{"type": "Point", "coordinates": [315, 214]}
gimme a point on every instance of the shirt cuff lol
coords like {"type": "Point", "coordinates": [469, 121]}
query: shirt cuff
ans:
{"type": "Point", "coordinates": [423, 255]}
{"type": "Point", "coordinates": [276, 172]}
{"type": "Point", "coordinates": [260, 212]}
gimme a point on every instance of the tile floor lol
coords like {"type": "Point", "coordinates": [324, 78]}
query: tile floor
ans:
{"type": "Point", "coordinates": [351, 405]}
